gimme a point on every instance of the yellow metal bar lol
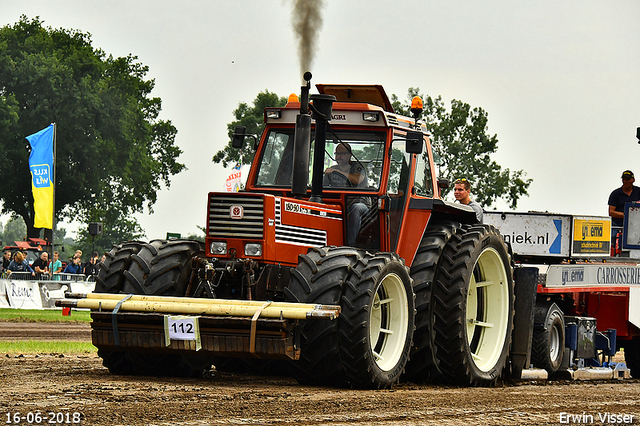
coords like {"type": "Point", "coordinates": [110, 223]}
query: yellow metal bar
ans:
{"type": "Point", "coordinates": [294, 311]}
{"type": "Point", "coordinates": [205, 301]}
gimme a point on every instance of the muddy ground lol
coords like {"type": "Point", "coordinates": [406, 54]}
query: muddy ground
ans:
{"type": "Point", "coordinates": [68, 384]}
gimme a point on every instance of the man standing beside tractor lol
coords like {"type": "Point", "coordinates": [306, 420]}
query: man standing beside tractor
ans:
{"type": "Point", "coordinates": [462, 192]}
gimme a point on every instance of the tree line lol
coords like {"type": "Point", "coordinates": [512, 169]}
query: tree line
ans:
{"type": "Point", "coordinates": [113, 153]}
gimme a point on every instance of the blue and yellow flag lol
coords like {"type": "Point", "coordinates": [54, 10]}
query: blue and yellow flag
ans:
{"type": "Point", "coordinates": [41, 166]}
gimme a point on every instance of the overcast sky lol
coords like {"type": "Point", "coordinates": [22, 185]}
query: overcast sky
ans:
{"type": "Point", "coordinates": [560, 80]}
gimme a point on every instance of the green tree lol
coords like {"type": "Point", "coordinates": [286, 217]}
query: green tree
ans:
{"type": "Point", "coordinates": [252, 117]}
{"type": "Point", "coordinates": [111, 147]}
{"type": "Point", "coordinates": [14, 230]}
{"type": "Point", "coordinates": [63, 243]}
{"type": "Point", "coordinates": [460, 140]}
{"type": "Point", "coordinates": [198, 236]}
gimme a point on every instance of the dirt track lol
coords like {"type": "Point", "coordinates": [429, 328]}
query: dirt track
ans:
{"type": "Point", "coordinates": [68, 384]}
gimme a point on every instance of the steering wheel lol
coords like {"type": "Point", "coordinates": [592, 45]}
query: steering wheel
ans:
{"type": "Point", "coordinates": [345, 178]}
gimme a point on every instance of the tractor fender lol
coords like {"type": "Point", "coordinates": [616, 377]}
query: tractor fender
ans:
{"type": "Point", "coordinates": [445, 210]}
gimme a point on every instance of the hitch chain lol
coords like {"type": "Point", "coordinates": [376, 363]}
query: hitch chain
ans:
{"type": "Point", "coordinates": [249, 277]}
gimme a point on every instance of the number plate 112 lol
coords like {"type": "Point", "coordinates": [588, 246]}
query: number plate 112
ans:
{"type": "Point", "coordinates": [177, 327]}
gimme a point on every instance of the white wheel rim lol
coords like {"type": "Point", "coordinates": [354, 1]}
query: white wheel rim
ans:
{"type": "Point", "coordinates": [554, 344]}
{"type": "Point", "coordinates": [487, 310]}
{"type": "Point", "coordinates": [388, 322]}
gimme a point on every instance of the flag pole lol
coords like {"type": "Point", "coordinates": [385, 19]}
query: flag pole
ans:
{"type": "Point", "coordinates": [53, 208]}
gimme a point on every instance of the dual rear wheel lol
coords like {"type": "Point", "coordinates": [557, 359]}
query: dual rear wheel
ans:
{"type": "Point", "coordinates": [473, 307]}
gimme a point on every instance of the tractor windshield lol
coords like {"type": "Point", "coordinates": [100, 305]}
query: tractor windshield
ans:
{"type": "Point", "coordinates": [366, 152]}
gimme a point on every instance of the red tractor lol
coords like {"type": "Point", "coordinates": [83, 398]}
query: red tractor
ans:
{"type": "Point", "coordinates": [339, 257]}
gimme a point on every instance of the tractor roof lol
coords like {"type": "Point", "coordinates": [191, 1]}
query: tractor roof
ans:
{"type": "Point", "coordinates": [358, 93]}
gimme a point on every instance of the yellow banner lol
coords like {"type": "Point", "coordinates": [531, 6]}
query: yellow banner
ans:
{"type": "Point", "coordinates": [41, 166]}
{"type": "Point", "coordinates": [591, 236]}
{"type": "Point", "coordinates": [43, 207]}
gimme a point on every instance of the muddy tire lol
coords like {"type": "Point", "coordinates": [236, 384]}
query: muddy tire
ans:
{"type": "Point", "coordinates": [158, 268]}
{"type": "Point", "coordinates": [377, 321]}
{"type": "Point", "coordinates": [110, 277]}
{"type": "Point", "coordinates": [128, 363]}
{"type": "Point", "coordinates": [473, 307]}
{"type": "Point", "coordinates": [422, 364]}
{"type": "Point", "coordinates": [319, 278]}
{"type": "Point", "coordinates": [547, 346]}
{"type": "Point", "coordinates": [162, 268]}
{"type": "Point", "coordinates": [116, 362]}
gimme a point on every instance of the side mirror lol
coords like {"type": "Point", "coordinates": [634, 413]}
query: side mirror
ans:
{"type": "Point", "coordinates": [238, 136]}
{"type": "Point", "coordinates": [414, 142]}
{"type": "Point", "coordinates": [442, 184]}
{"type": "Point", "coordinates": [638, 134]}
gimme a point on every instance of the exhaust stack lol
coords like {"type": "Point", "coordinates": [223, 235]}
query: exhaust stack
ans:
{"type": "Point", "coordinates": [302, 143]}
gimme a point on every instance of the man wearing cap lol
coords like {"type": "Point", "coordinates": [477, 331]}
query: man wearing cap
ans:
{"type": "Point", "coordinates": [462, 192]}
{"type": "Point", "coordinates": [626, 193]}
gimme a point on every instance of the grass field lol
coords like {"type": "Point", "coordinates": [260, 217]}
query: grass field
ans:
{"type": "Point", "coordinates": [46, 347]}
{"type": "Point", "coordinates": [52, 315]}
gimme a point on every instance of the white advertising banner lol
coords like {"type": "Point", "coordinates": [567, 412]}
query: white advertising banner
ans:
{"type": "Point", "coordinates": [4, 302]}
{"type": "Point", "coordinates": [534, 234]}
{"type": "Point", "coordinates": [81, 287]}
{"type": "Point", "coordinates": [23, 294]}
{"type": "Point", "coordinates": [593, 275]}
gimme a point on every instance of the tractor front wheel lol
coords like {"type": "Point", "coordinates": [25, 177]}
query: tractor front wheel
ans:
{"type": "Point", "coordinates": [377, 321]}
{"type": "Point", "coordinates": [319, 278]}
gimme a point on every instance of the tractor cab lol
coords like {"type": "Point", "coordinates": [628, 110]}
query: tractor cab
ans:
{"type": "Point", "coordinates": [357, 155]}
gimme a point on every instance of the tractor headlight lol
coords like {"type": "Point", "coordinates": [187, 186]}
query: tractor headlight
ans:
{"type": "Point", "coordinates": [273, 114]}
{"type": "Point", "coordinates": [370, 116]}
{"type": "Point", "coordinates": [218, 247]}
{"type": "Point", "coordinates": [253, 249]}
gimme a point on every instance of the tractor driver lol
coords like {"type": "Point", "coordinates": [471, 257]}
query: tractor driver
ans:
{"type": "Point", "coordinates": [349, 173]}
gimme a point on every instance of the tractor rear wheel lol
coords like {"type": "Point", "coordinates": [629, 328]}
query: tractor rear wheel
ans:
{"type": "Point", "coordinates": [158, 268]}
{"type": "Point", "coordinates": [422, 363]}
{"type": "Point", "coordinates": [110, 278]}
{"type": "Point", "coordinates": [547, 347]}
{"type": "Point", "coordinates": [319, 278]}
{"type": "Point", "coordinates": [377, 321]}
{"type": "Point", "coordinates": [474, 307]}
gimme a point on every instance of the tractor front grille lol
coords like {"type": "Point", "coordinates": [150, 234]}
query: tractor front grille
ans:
{"type": "Point", "coordinates": [223, 225]}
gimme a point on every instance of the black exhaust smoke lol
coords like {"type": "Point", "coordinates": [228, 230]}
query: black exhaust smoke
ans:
{"type": "Point", "coordinates": [307, 21]}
